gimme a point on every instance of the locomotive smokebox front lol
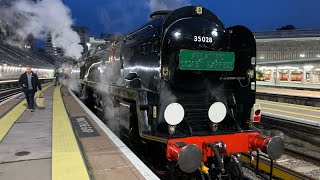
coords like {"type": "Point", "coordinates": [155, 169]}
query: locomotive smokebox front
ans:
{"type": "Point", "coordinates": [192, 45]}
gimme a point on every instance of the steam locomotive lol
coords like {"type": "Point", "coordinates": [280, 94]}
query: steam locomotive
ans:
{"type": "Point", "coordinates": [182, 87]}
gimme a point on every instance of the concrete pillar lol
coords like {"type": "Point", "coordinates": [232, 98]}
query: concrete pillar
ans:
{"type": "Point", "coordinates": [311, 76]}
{"type": "Point", "coordinates": [314, 75]}
{"type": "Point", "coordinates": [289, 76]}
{"type": "Point", "coordinates": [277, 78]}
{"type": "Point", "coordinates": [272, 76]}
{"type": "Point", "coordinates": [304, 77]}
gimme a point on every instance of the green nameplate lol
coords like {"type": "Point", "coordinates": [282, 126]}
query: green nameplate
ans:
{"type": "Point", "coordinates": [206, 60]}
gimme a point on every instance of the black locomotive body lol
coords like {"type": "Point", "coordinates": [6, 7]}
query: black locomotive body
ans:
{"type": "Point", "coordinates": [184, 81]}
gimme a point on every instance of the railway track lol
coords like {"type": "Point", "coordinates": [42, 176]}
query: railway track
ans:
{"type": "Point", "coordinates": [265, 168]}
{"type": "Point", "coordinates": [306, 132]}
{"type": "Point", "coordinates": [10, 88]}
{"type": "Point", "coordinates": [8, 93]}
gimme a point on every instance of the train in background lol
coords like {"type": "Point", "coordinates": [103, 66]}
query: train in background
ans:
{"type": "Point", "coordinates": [181, 90]}
{"type": "Point", "coordinates": [283, 76]}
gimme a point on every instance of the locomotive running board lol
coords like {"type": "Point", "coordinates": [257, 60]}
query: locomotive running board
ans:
{"type": "Point", "coordinates": [154, 138]}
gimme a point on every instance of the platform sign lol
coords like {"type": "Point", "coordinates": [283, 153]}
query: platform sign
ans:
{"type": "Point", "coordinates": [206, 60]}
{"type": "Point", "coordinates": [84, 127]}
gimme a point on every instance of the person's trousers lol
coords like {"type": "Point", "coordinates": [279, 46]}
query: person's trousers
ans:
{"type": "Point", "coordinates": [57, 81]}
{"type": "Point", "coordinates": [30, 98]}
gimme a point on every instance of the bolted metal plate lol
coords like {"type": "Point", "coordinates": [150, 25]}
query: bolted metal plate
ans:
{"type": "Point", "coordinates": [190, 158]}
{"type": "Point", "coordinates": [275, 147]}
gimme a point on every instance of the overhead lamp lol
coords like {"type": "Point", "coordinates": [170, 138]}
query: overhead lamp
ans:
{"type": "Point", "coordinates": [308, 66]}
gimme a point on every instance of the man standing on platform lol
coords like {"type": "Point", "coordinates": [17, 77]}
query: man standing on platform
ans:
{"type": "Point", "coordinates": [57, 76]}
{"type": "Point", "coordinates": [30, 84]}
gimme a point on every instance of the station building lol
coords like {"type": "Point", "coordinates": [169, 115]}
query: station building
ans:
{"type": "Point", "coordinates": [288, 56]}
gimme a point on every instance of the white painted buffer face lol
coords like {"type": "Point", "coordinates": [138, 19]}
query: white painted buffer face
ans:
{"type": "Point", "coordinates": [174, 114]}
{"type": "Point", "coordinates": [217, 112]}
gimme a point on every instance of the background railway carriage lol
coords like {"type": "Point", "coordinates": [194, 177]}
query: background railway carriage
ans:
{"type": "Point", "coordinates": [181, 89]}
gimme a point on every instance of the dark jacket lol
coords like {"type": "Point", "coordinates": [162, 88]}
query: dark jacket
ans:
{"type": "Point", "coordinates": [23, 82]}
{"type": "Point", "coordinates": [57, 75]}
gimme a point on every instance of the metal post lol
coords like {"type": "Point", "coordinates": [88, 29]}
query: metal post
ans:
{"type": "Point", "coordinates": [271, 169]}
{"type": "Point", "coordinates": [257, 164]}
{"type": "Point", "coordinates": [304, 77]}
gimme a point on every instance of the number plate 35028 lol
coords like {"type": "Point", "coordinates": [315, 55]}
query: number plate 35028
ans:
{"type": "Point", "coordinates": [203, 39]}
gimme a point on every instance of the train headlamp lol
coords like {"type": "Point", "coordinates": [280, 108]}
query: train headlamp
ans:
{"type": "Point", "coordinates": [217, 112]}
{"type": "Point", "coordinates": [198, 10]}
{"type": "Point", "coordinates": [174, 114]}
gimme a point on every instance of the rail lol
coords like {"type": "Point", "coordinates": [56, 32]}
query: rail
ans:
{"type": "Point", "coordinates": [267, 169]}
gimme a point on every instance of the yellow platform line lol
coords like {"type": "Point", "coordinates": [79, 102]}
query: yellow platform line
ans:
{"type": "Point", "coordinates": [67, 162]}
{"type": "Point", "coordinates": [289, 112]}
{"type": "Point", "coordinates": [288, 106]}
{"type": "Point", "coordinates": [11, 117]}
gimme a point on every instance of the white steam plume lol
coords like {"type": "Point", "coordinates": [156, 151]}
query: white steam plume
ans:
{"type": "Point", "coordinates": [156, 5]}
{"type": "Point", "coordinates": [47, 16]}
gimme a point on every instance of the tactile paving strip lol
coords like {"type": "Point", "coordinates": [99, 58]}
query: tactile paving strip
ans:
{"type": "Point", "coordinates": [67, 162]}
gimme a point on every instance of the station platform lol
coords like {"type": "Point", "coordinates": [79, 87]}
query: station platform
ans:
{"type": "Point", "coordinates": [289, 92]}
{"type": "Point", "coordinates": [292, 104]}
{"type": "Point", "coordinates": [297, 113]}
{"type": "Point", "coordinates": [290, 85]}
{"type": "Point", "coordinates": [64, 140]}
{"type": "Point", "coordinates": [308, 98]}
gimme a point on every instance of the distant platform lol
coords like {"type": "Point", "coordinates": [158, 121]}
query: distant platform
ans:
{"type": "Point", "coordinates": [290, 85]}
